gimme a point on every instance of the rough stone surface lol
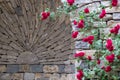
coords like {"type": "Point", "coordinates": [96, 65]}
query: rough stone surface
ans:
{"type": "Point", "coordinates": [23, 40]}
{"type": "Point", "coordinates": [29, 76]}
{"type": "Point", "coordinates": [30, 42]}
{"type": "Point", "coordinates": [81, 1]}
{"type": "Point", "coordinates": [5, 76]}
{"type": "Point", "coordinates": [70, 68]}
{"type": "Point", "coordinates": [12, 68]}
{"type": "Point", "coordinates": [55, 76]}
{"type": "Point", "coordinates": [105, 3]}
{"type": "Point", "coordinates": [113, 9]}
{"type": "Point", "coordinates": [2, 68]}
{"type": "Point", "coordinates": [24, 68]}
{"type": "Point", "coordinates": [27, 58]}
{"type": "Point", "coordinates": [61, 68]}
{"type": "Point", "coordinates": [36, 68]}
{"type": "Point", "coordinates": [38, 76]}
{"type": "Point", "coordinates": [112, 23]}
{"type": "Point", "coordinates": [17, 76]}
{"type": "Point", "coordinates": [116, 15]}
{"type": "Point", "coordinates": [81, 44]}
{"type": "Point", "coordinates": [50, 68]}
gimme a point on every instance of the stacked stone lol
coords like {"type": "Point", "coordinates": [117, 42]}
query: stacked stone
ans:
{"type": "Point", "coordinates": [26, 39]}
{"type": "Point", "coordinates": [37, 72]}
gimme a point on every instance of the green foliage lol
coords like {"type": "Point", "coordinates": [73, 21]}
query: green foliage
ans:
{"type": "Point", "coordinates": [99, 43]}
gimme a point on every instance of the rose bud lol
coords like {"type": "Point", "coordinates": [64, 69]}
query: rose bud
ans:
{"type": "Point", "coordinates": [86, 10]}
{"type": "Point", "coordinates": [74, 34]}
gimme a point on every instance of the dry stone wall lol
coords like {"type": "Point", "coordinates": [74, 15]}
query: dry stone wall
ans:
{"type": "Point", "coordinates": [31, 49]}
{"type": "Point", "coordinates": [26, 39]}
{"type": "Point", "coordinates": [37, 72]}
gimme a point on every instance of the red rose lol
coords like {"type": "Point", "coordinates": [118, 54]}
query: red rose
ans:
{"type": "Point", "coordinates": [102, 14]}
{"type": "Point", "coordinates": [91, 37]}
{"type": "Point", "coordinates": [118, 57]}
{"type": "Point", "coordinates": [75, 22]}
{"type": "Point", "coordinates": [108, 68]}
{"type": "Point", "coordinates": [89, 58]}
{"type": "Point", "coordinates": [82, 21]}
{"type": "Point", "coordinates": [113, 55]}
{"type": "Point", "coordinates": [80, 74]}
{"type": "Point", "coordinates": [80, 54]}
{"type": "Point", "coordinates": [45, 15]}
{"type": "Point", "coordinates": [109, 45]}
{"type": "Point", "coordinates": [88, 39]}
{"type": "Point", "coordinates": [74, 34]}
{"type": "Point", "coordinates": [98, 61]}
{"type": "Point", "coordinates": [85, 39]}
{"type": "Point", "coordinates": [114, 2]}
{"type": "Point", "coordinates": [81, 24]}
{"type": "Point", "coordinates": [109, 42]}
{"type": "Point", "coordinates": [86, 10]}
{"type": "Point", "coordinates": [70, 2]}
{"type": "Point", "coordinates": [110, 58]}
{"type": "Point", "coordinates": [115, 29]}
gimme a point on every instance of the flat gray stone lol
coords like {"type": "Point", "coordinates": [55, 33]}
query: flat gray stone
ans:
{"type": "Point", "coordinates": [116, 15]}
{"type": "Point", "coordinates": [61, 68]}
{"type": "Point", "coordinates": [69, 68]}
{"type": "Point", "coordinates": [29, 76]}
{"type": "Point", "coordinates": [36, 68]}
{"type": "Point", "coordinates": [81, 44]}
{"type": "Point", "coordinates": [5, 76]}
{"type": "Point", "coordinates": [42, 78]}
{"type": "Point", "coordinates": [12, 68]}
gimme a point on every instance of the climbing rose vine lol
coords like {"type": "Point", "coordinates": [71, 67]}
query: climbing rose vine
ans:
{"type": "Point", "coordinates": [106, 60]}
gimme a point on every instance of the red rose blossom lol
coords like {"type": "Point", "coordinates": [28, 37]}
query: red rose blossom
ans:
{"type": "Point", "coordinates": [102, 14]}
{"type": "Point", "coordinates": [86, 10]}
{"type": "Point", "coordinates": [81, 24]}
{"type": "Point", "coordinates": [74, 34]}
{"type": "Point", "coordinates": [48, 13]}
{"type": "Point", "coordinates": [118, 57]}
{"type": "Point", "coordinates": [109, 45]}
{"type": "Point", "coordinates": [80, 74]}
{"type": "Point", "coordinates": [91, 37]}
{"type": "Point", "coordinates": [115, 29]}
{"type": "Point", "coordinates": [45, 15]}
{"type": "Point", "coordinates": [70, 2]}
{"type": "Point", "coordinates": [75, 22]}
{"type": "Point", "coordinates": [88, 39]}
{"type": "Point", "coordinates": [98, 61]}
{"type": "Point", "coordinates": [89, 58]}
{"type": "Point", "coordinates": [90, 42]}
{"type": "Point", "coordinates": [110, 58]}
{"type": "Point", "coordinates": [108, 69]}
{"type": "Point", "coordinates": [114, 2]}
{"type": "Point", "coordinates": [80, 54]}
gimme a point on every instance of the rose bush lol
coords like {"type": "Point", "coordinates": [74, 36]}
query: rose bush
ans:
{"type": "Point", "coordinates": [107, 58]}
